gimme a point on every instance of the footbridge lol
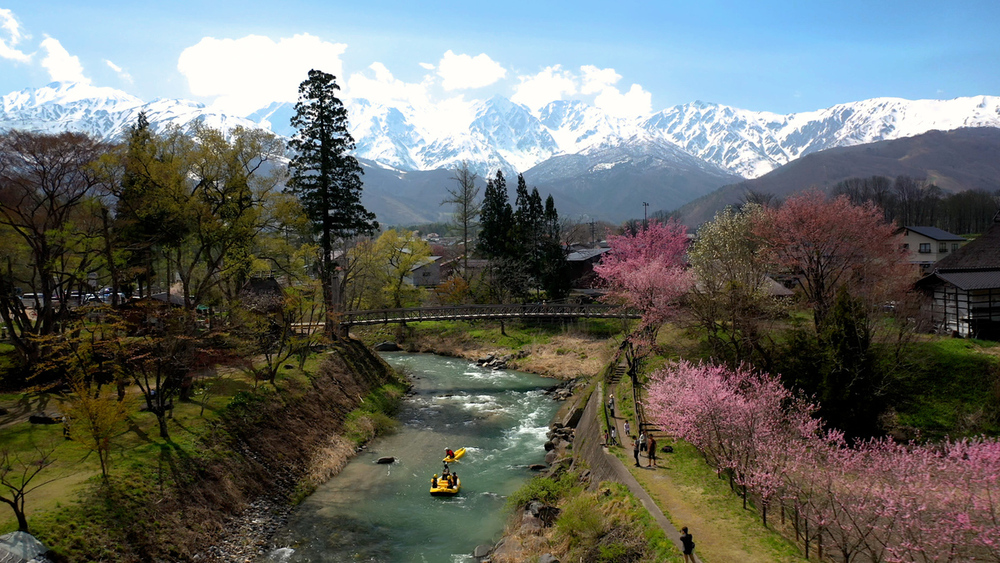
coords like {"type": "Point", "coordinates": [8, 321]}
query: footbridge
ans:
{"type": "Point", "coordinates": [541, 311]}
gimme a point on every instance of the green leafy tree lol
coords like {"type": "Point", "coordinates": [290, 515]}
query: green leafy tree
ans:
{"type": "Point", "coordinates": [326, 177]}
{"type": "Point", "coordinates": [49, 204]}
{"type": "Point", "coordinates": [731, 299]}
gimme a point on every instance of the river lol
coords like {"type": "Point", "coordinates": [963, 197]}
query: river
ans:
{"type": "Point", "coordinates": [385, 513]}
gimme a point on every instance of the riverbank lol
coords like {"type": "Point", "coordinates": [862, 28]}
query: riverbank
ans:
{"type": "Point", "coordinates": [562, 352]}
{"type": "Point", "coordinates": [238, 455]}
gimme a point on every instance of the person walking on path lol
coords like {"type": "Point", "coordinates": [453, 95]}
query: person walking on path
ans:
{"type": "Point", "coordinates": [651, 451]}
{"type": "Point", "coordinates": [627, 431]}
{"type": "Point", "coordinates": [688, 545]}
{"type": "Point", "coordinates": [635, 451]}
{"type": "Point", "coordinates": [614, 436]}
{"type": "Point", "coordinates": [611, 405]}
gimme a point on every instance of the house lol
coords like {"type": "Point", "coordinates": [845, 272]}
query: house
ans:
{"type": "Point", "coordinates": [581, 266]}
{"type": "Point", "coordinates": [455, 266]}
{"type": "Point", "coordinates": [964, 288]}
{"type": "Point", "coordinates": [427, 273]}
{"type": "Point", "coordinates": [927, 245]}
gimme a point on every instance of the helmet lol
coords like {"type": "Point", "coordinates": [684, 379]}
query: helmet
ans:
{"type": "Point", "coordinates": [435, 474]}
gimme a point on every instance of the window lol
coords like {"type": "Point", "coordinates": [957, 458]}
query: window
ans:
{"type": "Point", "coordinates": [906, 246]}
{"type": "Point", "coordinates": [943, 247]}
{"type": "Point", "coordinates": [925, 248]}
{"type": "Point", "coordinates": [954, 246]}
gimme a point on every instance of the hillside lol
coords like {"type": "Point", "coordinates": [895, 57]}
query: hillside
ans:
{"type": "Point", "coordinates": [957, 160]}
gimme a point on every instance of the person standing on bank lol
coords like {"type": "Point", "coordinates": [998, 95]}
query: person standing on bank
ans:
{"type": "Point", "coordinates": [611, 405]}
{"type": "Point", "coordinates": [687, 543]}
{"type": "Point", "coordinates": [635, 451]}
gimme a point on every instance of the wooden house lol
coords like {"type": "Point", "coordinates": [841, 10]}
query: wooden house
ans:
{"type": "Point", "coordinates": [964, 288]}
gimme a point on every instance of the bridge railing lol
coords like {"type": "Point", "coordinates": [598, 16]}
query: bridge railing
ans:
{"type": "Point", "coordinates": [474, 312]}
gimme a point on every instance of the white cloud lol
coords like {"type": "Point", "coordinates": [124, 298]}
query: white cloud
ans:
{"type": "Point", "coordinates": [380, 86]}
{"type": "Point", "coordinates": [248, 73]}
{"type": "Point", "coordinates": [633, 103]}
{"type": "Point", "coordinates": [597, 79]}
{"type": "Point", "coordinates": [426, 66]}
{"type": "Point", "coordinates": [376, 84]}
{"type": "Point", "coordinates": [551, 84]}
{"type": "Point", "coordinates": [123, 74]}
{"type": "Point", "coordinates": [10, 36]}
{"type": "Point", "coordinates": [462, 71]}
{"type": "Point", "coordinates": [62, 66]}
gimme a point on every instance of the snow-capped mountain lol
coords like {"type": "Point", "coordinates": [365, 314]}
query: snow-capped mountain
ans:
{"type": "Point", "coordinates": [753, 143]}
{"type": "Point", "coordinates": [104, 113]}
{"type": "Point", "coordinates": [498, 133]}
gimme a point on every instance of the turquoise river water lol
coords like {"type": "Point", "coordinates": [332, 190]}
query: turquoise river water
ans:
{"type": "Point", "coordinates": [385, 513]}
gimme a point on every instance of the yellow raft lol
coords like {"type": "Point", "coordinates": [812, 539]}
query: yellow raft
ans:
{"type": "Point", "coordinates": [458, 453]}
{"type": "Point", "coordinates": [442, 489]}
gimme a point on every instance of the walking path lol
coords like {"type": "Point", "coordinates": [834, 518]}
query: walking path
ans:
{"type": "Point", "coordinates": [605, 466]}
{"type": "Point", "coordinates": [723, 532]}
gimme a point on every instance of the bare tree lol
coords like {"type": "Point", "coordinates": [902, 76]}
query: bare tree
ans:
{"type": "Point", "coordinates": [16, 477]}
{"type": "Point", "coordinates": [464, 197]}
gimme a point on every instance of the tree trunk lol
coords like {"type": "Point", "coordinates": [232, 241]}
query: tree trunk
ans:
{"type": "Point", "coordinates": [161, 418]}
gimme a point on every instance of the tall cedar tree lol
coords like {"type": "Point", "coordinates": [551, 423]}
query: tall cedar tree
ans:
{"type": "Point", "coordinates": [325, 177]}
{"type": "Point", "coordinates": [554, 270]}
{"type": "Point", "coordinates": [496, 220]}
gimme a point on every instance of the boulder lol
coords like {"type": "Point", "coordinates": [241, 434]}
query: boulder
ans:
{"type": "Point", "coordinates": [482, 551]}
{"type": "Point", "coordinates": [387, 347]}
{"type": "Point", "coordinates": [538, 467]}
{"type": "Point", "coordinates": [548, 558]}
{"type": "Point", "coordinates": [386, 459]}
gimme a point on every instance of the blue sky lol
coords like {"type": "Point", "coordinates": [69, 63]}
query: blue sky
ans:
{"type": "Point", "coordinates": [629, 57]}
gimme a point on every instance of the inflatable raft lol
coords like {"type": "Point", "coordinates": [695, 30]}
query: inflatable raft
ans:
{"type": "Point", "coordinates": [442, 490]}
{"type": "Point", "coordinates": [458, 453]}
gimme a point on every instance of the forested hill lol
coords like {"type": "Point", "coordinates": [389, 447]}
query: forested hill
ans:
{"type": "Point", "coordinates": [958, 160]}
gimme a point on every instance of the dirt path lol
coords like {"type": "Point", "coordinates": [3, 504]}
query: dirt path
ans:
{"type": "Point", "coordinates": [721, 534]}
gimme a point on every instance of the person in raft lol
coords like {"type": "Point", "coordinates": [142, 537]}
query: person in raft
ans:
{"type": "Point", "coordinates": [449, 454]}
{"type": "Point", "coordinates": [434, 481]}
{"type": "Point", "coordinates": [446, 471]}
{"type": "Point", "coordinates": [454, 477]}
{"type": "Point", "coordinates": [688, 544]}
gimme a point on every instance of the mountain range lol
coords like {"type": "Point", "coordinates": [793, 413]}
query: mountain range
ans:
{"type": "Point", "coordinates": [594, 164]}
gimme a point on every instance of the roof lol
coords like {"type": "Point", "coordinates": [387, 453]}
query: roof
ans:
{"type": "Point", "coordinates": [982, 253]}
{"type": "Point", "coordinates": [934, 233]}
{"type": "Point", "coordinates": [425, 262]}
{"type": "Point", "coordinates": [22, 547]}
{"type": "Point", "coordinates": [965, 280]}
{"type": "Point", "coordinates": [585, 254]}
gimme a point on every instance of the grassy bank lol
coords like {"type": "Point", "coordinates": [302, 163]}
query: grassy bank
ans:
{"type": "Point", "coordinates": [233, 443]}
{"type": "Point", "coordinates": [606, 525]}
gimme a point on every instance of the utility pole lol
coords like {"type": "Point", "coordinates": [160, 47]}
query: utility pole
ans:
{"type": "Point", "coordinates": [593, 234]}
{"type": "Point", "coordinates": [645, 224]}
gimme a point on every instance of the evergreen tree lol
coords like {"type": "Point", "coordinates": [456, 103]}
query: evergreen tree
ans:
{"type": "Point", "coordinates": [326, 177]}
{"type": "Point", "coordinates": [496, 221]}
{"type": "Point", "coordinates": [554, 270]}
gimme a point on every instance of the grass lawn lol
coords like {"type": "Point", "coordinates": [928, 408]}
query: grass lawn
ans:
{"type": "Point", "coordinates": [138, 443]}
